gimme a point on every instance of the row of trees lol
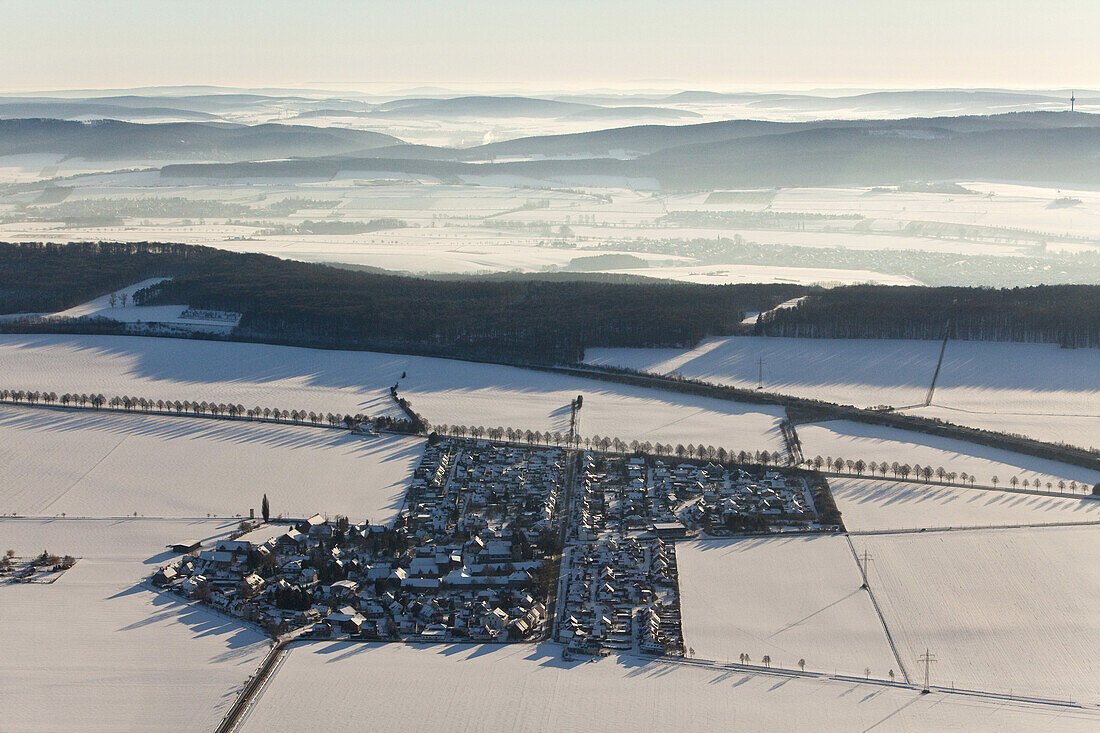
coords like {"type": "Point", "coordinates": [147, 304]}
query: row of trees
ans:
{"type": "Point", "coordinates": [215, 409]}
{"type": "Point", "coordinates": [535, 437]}
{"type": "Point", "coordinates": [618, 445]}
{"type": "Point", "coordinates": [903, 471]}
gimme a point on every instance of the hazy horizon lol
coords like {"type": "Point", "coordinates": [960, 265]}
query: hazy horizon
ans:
{"type": "Point", "coordinates": [787, 45]}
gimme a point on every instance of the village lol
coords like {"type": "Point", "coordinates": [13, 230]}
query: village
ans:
{"type": "Point", "coordinates": [496, 542]}
{"type": "Point", "coordinates": [644, 494]}
{"type": "Point", "coordinates": [468, 558]}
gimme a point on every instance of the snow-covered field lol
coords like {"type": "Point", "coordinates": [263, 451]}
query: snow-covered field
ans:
{"type": "Point", "coordinates": [1002, 609]}
{"type": "Point", "coordinates": [999, 413]}
{"type": "Point", "coordinates": [1038, 390]}
{"type": "Point", "coordinates": [1000, 205]}
{"type": "Point", "coordinates": [732, 274]}
{"type": "Point", "coordinates": [111, 465]}
{"type": "Point", "coordinates": [93, 651]}
{"type": "Point", "coordinates": [466, 250]}
{"type": "Point", "coordinates": [852, 441]}
{"type": "Point", "coordinates": [498, 223]}
{"type": "Point", "coordinates": [528, 688]}
{"type": "Point", "coordinates": [208, 371]}
{"type": "Point", "coordinates": [790, 598]}
{"type": "Point", "coordinates": [123, 309]}
{"type": "Point", "coordinates": [443, 391]}
{"type": "Point", "coordinates": [863, 372]}
{"type": "Point", "coordinates": [876, 504]}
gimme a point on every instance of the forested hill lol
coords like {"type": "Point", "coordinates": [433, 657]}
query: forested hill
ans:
{"type": "Point", "coordinates": [531, 321]}
{"type": "Point", "coordinates": [821, 156]}
{"type": "Point", "coordinates": [116, 140]}
{"type": "Point", "coordinates": [519, 319]}
{"type": "Point", "coordinates": [1068, 315]}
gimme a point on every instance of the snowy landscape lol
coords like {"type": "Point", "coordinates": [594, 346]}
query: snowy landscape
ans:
{"type": "Point", "coordinates": [443, 391]}
{"type": "Point", "coordinates": [506, 367]}
{"type": "Point", "coordinates": [106, 465]}
{"type": "Point", "coordinates": [1038, 390]}
{"type": "Point", "coordinates": [109, 648]}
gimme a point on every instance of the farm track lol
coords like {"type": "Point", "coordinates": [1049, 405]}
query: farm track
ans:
{"type": "Point", "coordinates": [975, 528]}
{"type": "Point", "coordinates": [878, 611]}
{"type": "Point", "coordinates": [256, 684]}
{"type": "Point", "coordinates": [825, 676]}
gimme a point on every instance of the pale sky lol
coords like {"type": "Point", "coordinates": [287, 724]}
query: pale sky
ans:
{"type": "Point", "coordinates": [552, 44]}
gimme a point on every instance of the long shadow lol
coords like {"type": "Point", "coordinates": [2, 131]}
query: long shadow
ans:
{"type": "Point", "coordinates": [899, 496]}
{"type": "Point", "coordinates": [222, 364]}
{"type": "Point", "coordinates": [815, 613]}
{"type": "Point", "coordinates": [162, 427]}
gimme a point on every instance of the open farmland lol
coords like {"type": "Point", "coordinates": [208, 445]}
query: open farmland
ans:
{"type": "Point", "coordinates": [493, 223]}
{"type": "Point", "coordinates": [997, 205]}
{"type": "Point", "coordinates": [528, 688]}
{"type": "Point", "coordinates": [460, 251]}
{"type": "Point", "coordinates": [789, 598]}
{"type": "Point", "coordinates": [873, 504]}
{"type": "Point", "coordinates": [863, 373]}
{"type": "Point", "coordinates": [207, 371]}
{"type": "Point", "coordinates": [731, 274]}
{"type": "Point", "coordinates": [1000, 415]}
{"type": "Point", "coordinates": [110, 464]}
{"type": "Point", "coordinates": [443, 391]}
{"type": "Point", "coordinates": [1038, 390]}
{"type": "Point", "coordinates": [96, 651]}
{"type": "Point", "coordinates": [1005, 609]}
{"type": "Point", "coordinates": [852, 441]}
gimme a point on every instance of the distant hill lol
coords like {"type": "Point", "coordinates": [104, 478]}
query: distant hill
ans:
{"type": "Point", "coordinates": [645, 139]}
{"type": "Point", "coordinates": [479, 107]}
{"type": "Point", "coordinates": [633, 113]}
{"type": "Point", "coordinates": [112, 139]}
{"type": "Point", "coordinates": [66, 110]}
{"type": "Point", "coordinates": [876, 156]}
{"type": "Point", "coordinates": [1032, 147]}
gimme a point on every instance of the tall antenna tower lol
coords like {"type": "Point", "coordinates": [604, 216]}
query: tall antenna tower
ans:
{"type": "Point", "coordinates": [1072, 100]}
{"type": "Point", "coordinates": [928, 658]}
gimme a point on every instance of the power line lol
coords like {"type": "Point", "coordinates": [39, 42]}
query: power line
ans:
{"type": "Point", "coordinates": [928, 658]}
{"type": "Point", "coordinates": [864, 560]}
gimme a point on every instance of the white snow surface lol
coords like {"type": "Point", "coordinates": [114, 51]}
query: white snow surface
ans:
{"type": "Point", "coordinates": [874, 504]}
{"type": "Point", "coordinates": [525, 687]}
{"type": "Point", "coordinates": [1002, 609]}
{"type": "Point", "coordinates": [732, 274]}
{"type": "Point", "coordinates": [852, 441]}
{"type": "Point", "coordinates": [790, 598]}
{"type": "Point", "coordinates": [208, 371]}
{"type": "Point", "coordinates": [94, 651]}
{"type": "Point", "coordinates": [114, 464]}
{"type": "Point", "coordinates": [444, 391]}
{"type": "Point", "coordinates": [171, 314]}
{"type": "Point", "coordinates": [1040, 390]}
{"type": "Point", "coordinates": [101, 306]}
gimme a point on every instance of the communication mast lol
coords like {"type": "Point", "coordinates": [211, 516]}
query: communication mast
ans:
{"type": "Point", "coordinates": [1072, 100]}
